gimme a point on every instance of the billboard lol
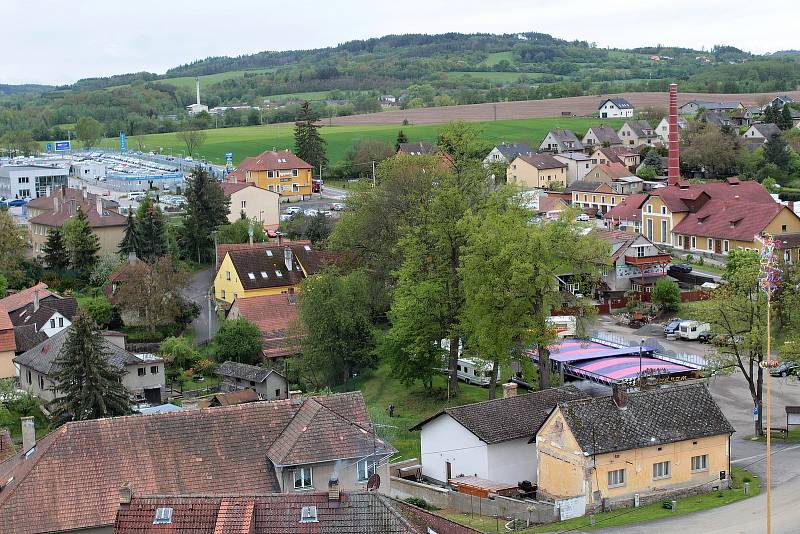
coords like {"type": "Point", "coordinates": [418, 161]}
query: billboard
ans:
{"type": "Point", "coordinates": [123, 146]}
{"type": "Point", "coordinates": [229, 158]}
{"type": "Point", "coordinates": [63, 146]}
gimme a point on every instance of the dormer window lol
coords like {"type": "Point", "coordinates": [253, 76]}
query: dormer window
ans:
{"type": "Point", "coordinates": [263, 274]}
{"type": "Point", "coordinates": [278, 274]}
{"type": "Point", "coordinates": [308, 514]}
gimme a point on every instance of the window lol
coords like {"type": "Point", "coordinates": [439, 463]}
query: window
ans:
{"type": "Point", "coordinates": [295, 188]}
{"type": "Point", "coordinates": [641, 252]}
{"type": "Point", "coordinates": [30, 381]}
{"type": "Point", "coordinates": [270, 188]}
{"type": "Point", "coordinates": [680, 240]}
{"type": "Point", "coordinates": [141, 371]}
{"type": "Point", "coordinates": [308, 514]}
{"type": "Point", "coordinates": [650, 229]}
{"type": "Point", "coordinates": [163, 516]}
{"type": "Point", "coordinates": [661, 470]}
{"type": "Point", "coordinates": [694, 242]}
{"type": "Point", "coordinates": [269, 174]}
{"type": "Point", "coordinates": [60, 322]}
{"type": "Point", "coordinates": [251, 276]}
{"type": "Point", "coordinates": [222, 293]}
{"type": "Point", "coordinates": [263, 274]}
{"type": "Point", "coordinates": [700, 463]}
{"type": "Point", "coordinates": [663, 210]}
{"type": "Point", "coordinates": [302, 478]}
{"type": "Point", "coordinates": [295, 172]}
{"type": "Point", "coordinates": [366, 468]}
{"type": "Point", "coordinates": [244, 204]}
{"type": "Point", "coordinates": [710, 243]}
{"type": "Point", "coordinates": [52, 323]}
{"type": "Point", "coordinates": [227, 275]}
{"type": "Point", "coordinates": [278, 393]}
{"type": "Point", "coordinates": [783, 228]}
{"type": "Point", "coordinates": [616, 478]}
{"type": "Point", "coordinates": [725, 246]}
{"type": "Point", "coordinates": [153, 369]}
{"type": "Point", "coordinates": [649, 208]}
{"type": "Point", "coordinates": [41, 382]}
{"type": "Point", "coordinates": [252, 383]}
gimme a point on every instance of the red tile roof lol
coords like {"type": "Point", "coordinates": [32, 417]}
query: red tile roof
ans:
{"type": "Point", "coordinates": [272, 314]}
{"type": "Point", "coordinates": [68, 210]}
{"type": "Point", "coordinates": [46, 203]}
{"type": "Point", "coordinates": [678, 199]}
{"type": "Point", "coordinates": [24, 297]}
{"type": "Point", "coordinates": [72, 479]}
{"type": "Point", "coordinates": [230, 188]}
{"type": "Point", "coordinates": [272, 160]}
{"type": "Point", "coordinates": [236, 397]}
{"type": "Point", "coordinates": [550, 203]}
{"type": "Point", "coordinates": [738, 220]}
{"type": "Point", "coordinates": [613, 170]}
{"type": "Point", "coordinates": [630, 209]}
{"type": "Point", "coordinates": [7, 338]}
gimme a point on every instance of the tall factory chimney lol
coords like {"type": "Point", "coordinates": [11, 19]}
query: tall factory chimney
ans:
{"type": "Point", "coordinates": [197, 85]}
{"type": "Point", "coordinates": [673, 165]}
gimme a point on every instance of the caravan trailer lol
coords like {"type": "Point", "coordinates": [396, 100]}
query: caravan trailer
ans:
{"type": "Point", "coordinates": [474, 371]}
{"type": "Point", "coordinates": [564, 324]}
{"type": "Point", "coordinates": [691, 330]}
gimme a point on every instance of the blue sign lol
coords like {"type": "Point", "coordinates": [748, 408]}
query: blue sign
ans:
{"type": "Point", "coordinates": [122, 145]}
{"type": "Point", "coordinates": [229, 158]}
{"type": "Point", "coordinates": [755, 412]}
{"type": "Point", "coordinates": [63, 146]}
{"type": "Point", "coordinates": [48, 147]}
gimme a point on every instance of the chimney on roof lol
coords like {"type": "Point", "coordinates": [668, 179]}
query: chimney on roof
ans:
{"type": "Point", "coordinates": [509, 390]}
{"type": "Point", "coordinates": [673, 161]}
{"type": "Point", "coordinates": [250, 233]}
{"type": "Point", "coordinates": [85, 192]}
{"type": "Point", "coordinates": [125, 493]}
{"type": "Point", "coordinates": [99, 205]}
{"type": "Point", "coordinates": [56, 204]}
{"type": "Point", "coordinates": [132, 257]}
{"type": "Point", "coordinates": [35, 300]}
{"type": "Point", "coordinates": [333, 489]}
{"type": "Point", "coordinates": [291, 296]}
{"type": "Point", "coordinates": [48, 190]}
{"type": "Point", "coordinates": [620, 396]}
{"type": "Point", "coordinates": [296, 396]}
{"type": "Point", "coordinates": [287, 257]}
{"type": "Point", "coordinates": [28, 434]}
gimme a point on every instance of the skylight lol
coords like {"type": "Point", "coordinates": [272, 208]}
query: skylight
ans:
{"type": "Point", "coordinates": [307, 247]}
{"type": "Point", "coordinates": [269, 253]}
{"type": "Point", "coordinates": [263, 274]}
{"type": "Point", "coordinates": [163, 516]}
{"type": "Point", "coordinates": [251, 276]}
{"type": "Point", "coordinates": [308, 514]}
{"type": "Point", "coordinates": [278, 274]}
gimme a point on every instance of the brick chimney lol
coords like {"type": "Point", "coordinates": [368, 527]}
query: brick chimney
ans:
{"type": "Point", "coordinates": [287, 257]}
{"type": "Point", "coordinates": [28, 434]}
{"type": "Point", "coordinates": [56, 204]}
{"type": "Point", "coordinates": [673, 162]}
{"type": "Point", "coordinates": [35, 300]}
{"type": "Point", "coordinates": [509, 390]}
{"type": "Point", "coordinates": [125, 493]}
{"type": "Point", "coordinates": [296, 396]}
{"type": "Point", "coordinates": [620, 396]}
{"type": "Point", "coordinates": [333, 488]}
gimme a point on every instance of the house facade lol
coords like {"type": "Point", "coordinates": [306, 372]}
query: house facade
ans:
{"type": "Point", "coordinates": [31, 181]}
{"type": "Point", "coordinates": [559, 140]}
{"type": "Point", "coordinates": [601, 136]}
{"type": "Point", "coordinates": [662, 130]}
{"type": "Point", "coordinates": [762, 131]}
{"type": "Point", "coordinates": [595, 195]}
{"type": "Point", "coordinates": [537, 171]}
{"type": "Point", "coordinates": [279, 171]}
{"type": "Point", "coordinates": [505, 153]}
{"type": "Point", "coordinates": [634, 260]}
{"type": "Point", "coordinates": [694, 106]}
{"type": "Point", "coordinates": [655, 443]}
{"type": "Point", "coordinates": [615, 107]}
{"type": "Point", "coordinates": [638, 133]}
{"type": "Point", "coordinates": [578, 165]}
{"type": "Point", "coordinates": [267, 383]}
{"type": "Point", "coordinates": [251, 202]}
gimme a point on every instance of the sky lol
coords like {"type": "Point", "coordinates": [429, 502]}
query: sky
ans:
{"type": "Point", "coordinates": [57, 42]}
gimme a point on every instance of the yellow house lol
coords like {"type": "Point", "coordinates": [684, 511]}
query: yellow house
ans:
{"type": "Point", "coordinates": [597, 195]}
{"type": "Point", "coordinates": [537, 171]}
{"type": "Point", "coordinates": [278, 171]}
{"type": "Point", "coordinates": [658, 443]}
{"type": "Point", "coordinates": [264, 269]}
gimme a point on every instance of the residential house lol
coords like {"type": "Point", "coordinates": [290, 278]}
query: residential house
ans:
{"type": "Point", "coordinates": [42, 319]}
{"type": "Point", "coordinates": [615, 107]}
{"type": "Point", "coordinates": [267, 383]}
{"type": "Point", "coordinates": [695, 106]}
{"type": "Point", "coordinates": [597, 196]}
{"type": "Point", "coordinates": [46, 204]}
{"type": "Point", "coordinates": [578, 165]}
{"type": "Point", "coordinates": [551, 206]}
{"type": "Point", "coordinates": [388, 101]}
{"type": "Point", "coordinates": [638, 133]}
{"type": "Point", "coordinates": [334, 510]}
{"type": "Point", "coordinates": [602, 135]}
{"type": "Point", "coordinates": [628, 157]}
{"type": "Point", "coordinates": [265, 268]}
{"type": "Point", "coordinates": [662, 130]}
{"type": "Point", "coordinates": [761, 131]}
{"type": "Point", "coordinates": [618, 177]}
{"type": "Point", "coordinates": [232, 398]}
{"type": "Point", "coordinates": [420, 148]}
{"type": "Point", "coordinates": [70, 479]}
{"type": "Point", "coordinates": [537, 171]}
{"type": "Point", "coordinates": [104, 221]}
{"type": "Point", "coordinates": [627, 215]}
{"type": "Point", "coordinates": [490, 439]}
{"type": "Point", "coordinates": [142, 374]}
{"type": "Point", "coordinates": [272, 314]}
{"type": "Point", "coordinates": [781, 100]}
{"type": "Point", "coordinates": [649, 445]}
{"type": "Point", "coordinates": [789, 244]}
{"type": "Point", "coordinates": [717, 118]}
{"type": "Point", "coordinates": [636, 262]}
{"type": "Point", "coordinates": [252, 202]}
{"type": "Point", "coordinates": [559, 140]}
{"type": "Point", "coordinates": [506, 152]}
{"type": "Point", "coordinates": [279, 171]}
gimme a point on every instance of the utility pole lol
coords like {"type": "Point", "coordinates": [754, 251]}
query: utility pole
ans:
{"type": "Point", "coordinates": [374, 181]}
{"type": "Point", "coordinates": [209, 314]}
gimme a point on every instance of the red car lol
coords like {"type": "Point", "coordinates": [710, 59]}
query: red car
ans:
{"type": "Point", "coordinates": [316, 186]}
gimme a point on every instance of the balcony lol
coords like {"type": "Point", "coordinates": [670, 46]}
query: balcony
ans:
{"type": "Point", "coordinates": [656, 259]}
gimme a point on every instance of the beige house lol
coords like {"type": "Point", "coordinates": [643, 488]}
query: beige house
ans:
{"type": "Point", "coordinates": [638, 133]}
{"type": "Point", "coordinates": [537, 171]}
{"type": "Point", "coordinates": [252, 202]}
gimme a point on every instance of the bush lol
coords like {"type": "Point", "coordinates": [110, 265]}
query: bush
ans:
{"type": "Point", "coordinates": [99, 309]}
{"type": "Point", "coordinates": [667, 295]}
{"type": "Point", "coordinates": [420, 503]}
{"type": "Point", "coordinates": [238, 340]}
{"type": "Point", "coordinates": [179, 352]}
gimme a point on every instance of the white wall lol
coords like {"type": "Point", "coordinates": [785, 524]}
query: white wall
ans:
{"type": "Point", "coordinates": [53, 331]}
{"type": "Point", "coordinates": [512, 461]}
{"type": "Point", "coordinates": [443, 440]}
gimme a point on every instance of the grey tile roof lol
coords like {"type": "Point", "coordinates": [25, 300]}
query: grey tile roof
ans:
{"type": "Point", "coordinates": [245, 371]}
{"type": "Point", "coordinates": [499, 420]}
{"type": "Point", "coordinates": [652, 417]}
{"type": "Point", "coordinates": [562, 136]}
{"type": "Point", "coordinates": [512, 150]}
{"type": "Point", "coordinates": [583, 185]}
{"type": "Point", "coordinates": [542, 161]}
{"type": "Point", "coordinates": [621, 103]}
{"type": "Point", "coordinates": [640, 127]}
{"type": "Point", "coordinates": [605, 133]}
{"type": "Point", "coordinates": [47, 308]}
{"type": "Point", "coordinates": [767, 129]}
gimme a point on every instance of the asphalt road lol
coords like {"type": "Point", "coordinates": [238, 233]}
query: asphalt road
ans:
{"type": "Point", "coordinates": [197, 292]}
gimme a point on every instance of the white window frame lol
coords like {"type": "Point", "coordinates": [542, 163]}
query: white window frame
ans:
{"type": "Point", "coordinates": [699, 463]}
{"type": "Point", "coordinates": [662, 470]}
{"type": "Point", "coordinates": [710, 243]}
{"type": "Point", "coordinates": [693, 242]}
{"type": "Point", "coordinates": [616, 478]}
{"type": "Point", "coordinates": [726, 246]}
{"type": "Point", "coordinates": [300, 481]}
{"type": "Point", "coordinates": [244, 204]}
{"type": "Point", "coordinates": [366, 468]}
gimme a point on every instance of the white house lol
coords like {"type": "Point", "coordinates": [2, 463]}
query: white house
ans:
{"type": "Point", "coordinates": [761, 131]}
{"type": "Point", "coordinates": [578, 165]}
{"type": "Point", "coordinates": [662, 130]}
{"type": "Point", "coordinates": [491, 439]}
{"type": "Point", "coordinates": [506, 152]}
{"type": "Point", "coordinates": [615, 107]}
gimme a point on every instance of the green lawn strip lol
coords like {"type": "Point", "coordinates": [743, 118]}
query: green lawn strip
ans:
{"type": "Point", "coordinates": [627, 516]}
{"type": "Point", "coordinates": [793, 436]}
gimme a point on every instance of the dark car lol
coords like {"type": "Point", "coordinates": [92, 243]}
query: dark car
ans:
{"type": "Point", "coordinates": [785, 369]}
{"type": "Point", "coordinates": [672, 326]}
{"type": "Point", "coordinates": [681, 268]}
{"type": "Point", "coordinates": [706, 337]}
{"type": "Point", "coordinates": [18, 202]}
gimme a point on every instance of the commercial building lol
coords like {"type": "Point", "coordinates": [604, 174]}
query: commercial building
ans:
{"type": "Point", "coordinates": [31, 181]}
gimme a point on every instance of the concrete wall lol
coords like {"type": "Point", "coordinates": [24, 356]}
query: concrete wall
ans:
{"type": "Point", "coordinates": [259, 204]}
{"type": "Point", "coordinates": [445, 440]}
{"type": "Point", "coordinates": [512, 461]}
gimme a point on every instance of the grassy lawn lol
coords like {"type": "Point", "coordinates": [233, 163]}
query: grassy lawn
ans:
{"type": "Point", "coordinates": [252, 140]}
{"type": "Point", "coordinates": [412, 405]}
{"type": "Point", "coordinates": [627, 516]}
{"type": "Point", "coordinates": [496, 57]}
{"type": "Point", "coordinates": [185, 383]}
{"type": "Point", "coordinates": [793, 437]}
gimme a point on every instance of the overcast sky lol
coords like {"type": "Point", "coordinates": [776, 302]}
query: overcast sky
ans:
{"type": "Point", "coordinates": [54, 42]}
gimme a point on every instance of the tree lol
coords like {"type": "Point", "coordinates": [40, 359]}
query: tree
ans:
{"type": "Point", "coordinates": [104, 266]}
{"type": "Point", "coordinates": [652, 115]}
{"type": "Point", "coordinates": [666, 294]}
{"type": "Point", "coordinates": [653, 159]}
{"type": "Point", "coordinates": [154, 291]}
{"type": "Point", "coordinates": [784, 119]}
{"type": "Point", "coordinates": [239, 232]}
{"type": "Point", "coordinates": [89, 131]}
{"type": "Point", "coordinates": [150, 233]}
{"type": "Point", "coordinates": [336, 342]}
{"type": "Point", "coordinates": [309, 144]}
{"type": "Point", "coordinates": [179, 352]}
{"type": "Point", "coordinates": [12, 246]}
{"type": "Point", "coordinates": [89, 385]}
{"type": "Point", "coordinates": [207, 209]}
{"type": "Point", "coordinates": [319, 228]}
{"type": "Point", "coordinates": [401, 139]}
{"type": "Point", "coordinates": [3, 286]}
{"type": "Point", "coordinates": [130, 240]}
{"type": "Point", "coordinates": [776, 151]}
{"type": "Point", "coordinates": [238, 340]}
{"type": "Point", "coordinates": [363, 152]}
{"type": "Point", "coordinates": [771, 185]}
{"type": "Point", "coordinates": [708, 149]}
{"type": "Point", "coordinates": [82, 244]}
{"type": "Point", "coordinates": [646, 172]}
{"type": "Point", "coordinates": [99, 309]}
{"type": "Point", "coordinates": [192, 136]}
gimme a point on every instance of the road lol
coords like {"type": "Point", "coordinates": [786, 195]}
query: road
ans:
{"type": "Point", "coordinates": [197, 292]}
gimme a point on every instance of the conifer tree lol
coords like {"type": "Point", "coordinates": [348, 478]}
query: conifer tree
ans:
{"type": "Point", "coordinates": [309, 144]}
{"type": "Point", "coordinates": [785, 118]}
{"type": "Point", "coordinates": [206, 210]}
{"type": "Point", "coordinates": [55, 251]}
{"type": "Point", "coordinates": [130, 241]}
{"type": "Point", "coordinates": [150, 231]}
{"type": "Point", "coordinates": [89, 386]}
{"type": "Point", "coordinates": [84, 244]}
{"type": "Point", "coordinates": [401, 138]}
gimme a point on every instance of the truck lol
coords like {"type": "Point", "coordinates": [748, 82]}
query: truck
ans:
{"type": "Point", "coordinates": [692, 330]}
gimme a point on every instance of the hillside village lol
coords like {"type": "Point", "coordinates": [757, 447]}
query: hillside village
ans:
{"type": "Point", "coordinates": [451, 335]}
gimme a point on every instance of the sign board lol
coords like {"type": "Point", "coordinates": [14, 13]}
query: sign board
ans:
{"type": "Point", "coordinates": [63, 146]}
{"type": "Point", "coordinates": [569, 508]}
{"type": "Point", "coordinates": [229, 158]}
{"type": "Point", "coordinates": [48, 147]}
{"type": "Point", "coordinates": [793, 415]}
{"type": "Point", "coordinates": [123, 145]}
{"type": "Point", "coordinates": [755, 412]}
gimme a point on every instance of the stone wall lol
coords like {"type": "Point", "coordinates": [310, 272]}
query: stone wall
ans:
{"type": "Point", "coordinates": [664, 495]}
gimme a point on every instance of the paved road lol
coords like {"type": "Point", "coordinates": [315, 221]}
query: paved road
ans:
{"type": "Point", "coordinates": [197, 292]}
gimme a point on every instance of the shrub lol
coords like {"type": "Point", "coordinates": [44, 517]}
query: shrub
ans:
{"type": "Point", "coordinates": [420, 503]}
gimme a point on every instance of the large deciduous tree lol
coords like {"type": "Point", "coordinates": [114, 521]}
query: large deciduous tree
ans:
{"type": "Point", "coordinates": [207, 209]}
{"type": "Point", "coordinates": [708, 149]}
{"type": "Point", "coordinates": [154, 291]}
{"type": "Point", "coordinates": [308, 143]}
{"type": "Point", "coordinates": [192, 136]}
{"type": "Point", "coordinates": [89, 131]}
{"type": "Point", "coordinates": [238, 340]}
{"type": "Point", "coordinates": [12, 246]}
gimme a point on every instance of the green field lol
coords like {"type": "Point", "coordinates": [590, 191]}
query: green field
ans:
{"type": "Point", "coordinates": [252, 140]}
{"type": "Point", "coordinates": [496, 57]}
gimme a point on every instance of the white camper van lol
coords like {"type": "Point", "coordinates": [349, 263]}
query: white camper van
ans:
{"type": "Point", "coordinates": [474, 371]}
{"type": "Point", "coordinates": [691, 330]}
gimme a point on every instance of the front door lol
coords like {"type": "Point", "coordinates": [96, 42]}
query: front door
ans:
{"type": "Point", "coordinates": [686, 243]}
{"type": "Point", "coordinates": [718, 246]}
{"type": "Point", "coordinates": [448, 471]}
{"type": "Point", "coordinates": [604, 115]}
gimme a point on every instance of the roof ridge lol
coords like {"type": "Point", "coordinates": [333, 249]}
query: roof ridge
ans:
{"type": "Point", "coordinates": [566, 387]}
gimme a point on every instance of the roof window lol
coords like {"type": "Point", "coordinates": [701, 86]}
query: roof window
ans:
{"type": "Point", "coordinates": [308, 514]}
{"type": "Point", "coordinates": [251, 276]}
{"type": "Point", "coordinates": [263, 274]}
{"type": "Point", "coordinates": [307, 247]}
{"type": "Point", "coordinates": [269, 253]}
{"type": "Point", "coordinates": [278, 274]}
{"type": "Point", "coordinates": [163, 516]}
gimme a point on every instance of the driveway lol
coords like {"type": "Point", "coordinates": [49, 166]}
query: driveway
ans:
{"type": "Point", "coordinates": [197, 291]}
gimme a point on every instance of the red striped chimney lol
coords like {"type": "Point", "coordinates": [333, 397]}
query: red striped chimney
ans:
{"type": "Point", "coordinates": [673, 165]}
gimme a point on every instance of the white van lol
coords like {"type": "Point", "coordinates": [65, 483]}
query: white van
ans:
{"type": "Point", "coordinates": [691, 330]}
{"type": "Point", "coordinates": [564, 325]}
{"type": "Point", "coordinates": [474, 371]}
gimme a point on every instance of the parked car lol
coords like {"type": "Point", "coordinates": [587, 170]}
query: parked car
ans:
{"type": "Point", "coordinates": [291, 210]}
{"type": "Point", "coordinates": [18, 202]}
{"type": "Point", "coordinates": [582, 217]}
{"type": "Point", "coordinates": [310, 212]}
{"type": "Point", "coordinates": [681, 268]}
{"type": "Point", "coordinates": [337, 206]}
{"type": "Point", "coordinates": [785, 369]}
{"type": "Point", "coordinates": [672, 326]}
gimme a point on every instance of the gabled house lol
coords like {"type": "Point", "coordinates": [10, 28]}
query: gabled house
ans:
{"type": "Point", "coordinates": [654, 444]}
{"type": "Point", "coordinates": [491, 439]}
{"type": "Point", "coordinates": [537, 171]}
{"type": "Point", "coordinates": [272, 314]}
{"type": "Point", "coordinates": [628, 157]}
{"type": "Point", "coordinates": [279, 171]}
{"type": "Point", "coordinates": [268, 447]}
{"type": "Point", "coordinates": [602, 135]}
{"type": "Point", "coordinates": [420, 148]}
{"type": "Point", "coordinates": [717, 118]}
{"type": "Point", "coordinates": [662, 130]}
{"type": "Point", "coordinates": [695, 106]}
{"type": "Point", "coordinates": [762, 131]}
{"type": "Point", "coordinates": [559, 140]}
{"type": "Point", "coordinates": [578, 165]}
{"type": "Point", "coordinates": [267, 383]}
{"type": "Point", "coordinates": [615, 107]}
{"type": "Point", "coordinates": [636, 262]}
{"type": "Point", "coordinates": [638, 133]}
{"type": "Point", "coordinates": [781, 100]}
{"type": "Point", "coordinates": [617, 175]}
{"type": "Point", "coordinates": [597, 196]}
{"type": "Point", "coordinates": [142, 374]}
{"type": "Point", "coordinates": [252, 202]}
{"type": "Point", "coordinates": [627, 215]}
{"type": "Point", "coordinates": [506, 152]}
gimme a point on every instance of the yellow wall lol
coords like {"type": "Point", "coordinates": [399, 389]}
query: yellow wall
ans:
{"type": "Point", "coordinates": [656, 216]}
{"type": "Point", "coordinates": [262, 180]}
{"type": "Point", "coordinates": [523, 174]}
{"type": "Point", "coordinates": [108, 236]}
{"type": "Point", "coordinates": [7, 368]}
{"type": "Point", "coordinates": [561, 464]}
{"type": "Point", "coordinates": [785, 221]}
{"type": "Point", "coordinates": [233, 288]}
